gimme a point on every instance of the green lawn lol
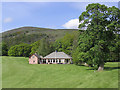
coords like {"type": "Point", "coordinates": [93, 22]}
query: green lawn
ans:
{"type": "Point", "coordinates": [17, 73]}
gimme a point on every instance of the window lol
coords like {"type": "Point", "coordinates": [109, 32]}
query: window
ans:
{"type": "Point", "coordinates": [59, 60]}
{"type": "Point", "coordinates": [53, 60]}
{"type": "Point", "coordinates": [33, 56]}
{"type": "Point", "coordinates": [34, 61]}
{"type": "Point", "coordinates": [48, 60]}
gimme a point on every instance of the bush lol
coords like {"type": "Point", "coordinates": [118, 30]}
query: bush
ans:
{"type": "Point", "coordinates": [20, 50]}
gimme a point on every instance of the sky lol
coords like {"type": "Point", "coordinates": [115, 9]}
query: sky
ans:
{"type": "Point", "coordinates": [55, 15]}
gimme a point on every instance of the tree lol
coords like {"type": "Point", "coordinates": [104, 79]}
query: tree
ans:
{"type": "Point", "coordinates": [45, 47]}
{"type": "Point", "coordinates": [20, 50]}
{"type": "Point", "coordinates": [34, 46]}
{"type": "Point", "coordinates": [102, 23]}
{"type": "Point", "coordinates": [66, 43]}
{"type": "Point", "coordinates": [115, 49]}
{"type": "Point", "coordinates": [4, 49]}
{"type": "Point", "coordinates": [42, 47]}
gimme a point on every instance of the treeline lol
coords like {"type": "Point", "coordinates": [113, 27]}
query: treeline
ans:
{"type": "Point", "coordinates": [42, 47]}
{"type": "Point", "coordinates": [71, 44]}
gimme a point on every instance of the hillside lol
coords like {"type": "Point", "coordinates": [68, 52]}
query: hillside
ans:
{"type": "Point", "coordinates": [32, 34]}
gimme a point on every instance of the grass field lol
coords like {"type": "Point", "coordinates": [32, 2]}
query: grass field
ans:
{"type": "Point", "coordinates": [17, 73]}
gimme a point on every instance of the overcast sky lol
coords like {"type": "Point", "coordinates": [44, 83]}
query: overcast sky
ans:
{"type": "Point", "coordinates": [56, 15]}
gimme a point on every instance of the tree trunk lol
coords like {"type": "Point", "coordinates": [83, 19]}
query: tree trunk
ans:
{"type": "Point", "coordinates": [101, 67]}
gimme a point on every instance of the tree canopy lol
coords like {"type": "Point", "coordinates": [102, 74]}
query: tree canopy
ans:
{"type": "Point", "coordinates": [67, 43]}
{"type": "Point", "coordinates": [20, 50]}
{"type": "Point", "coordinates": [102, 24]}
{"type": "Point", "coordinates": [42, 47]}
{"type": "Point", "coordinates": [4, 49]}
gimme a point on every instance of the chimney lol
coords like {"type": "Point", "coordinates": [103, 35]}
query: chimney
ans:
{"type": "Point", "coordinates": [55, 50]}
{"type": "Point", "coordinates": [36, 53]}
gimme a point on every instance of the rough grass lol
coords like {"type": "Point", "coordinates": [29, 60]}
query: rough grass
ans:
{"type": "Point", "coordinates": [17, 73]}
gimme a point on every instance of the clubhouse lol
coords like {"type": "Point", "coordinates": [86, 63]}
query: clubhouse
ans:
{"type": "Point", "coordinates": [52, 58]}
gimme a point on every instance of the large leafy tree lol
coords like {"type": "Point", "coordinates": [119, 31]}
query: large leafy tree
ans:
{"type": "Point", "coordinates": [102, 24]}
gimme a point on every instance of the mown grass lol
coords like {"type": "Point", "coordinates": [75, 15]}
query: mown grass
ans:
{"type": "Point", "coordinates": [17, 73]}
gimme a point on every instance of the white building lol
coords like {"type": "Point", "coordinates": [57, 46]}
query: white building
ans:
{"type": "Point", "coordinates": [52, 58]}
{"type": "Point", "coordinates": [57, 58]}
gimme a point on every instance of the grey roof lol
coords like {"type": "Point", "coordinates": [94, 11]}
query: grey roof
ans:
{"type": "Point", "coordinates": [58, 55]}
{"type": "Point", "coordinates": [38, 55]}
{"type": "Point", "coordinates": [41, 56]}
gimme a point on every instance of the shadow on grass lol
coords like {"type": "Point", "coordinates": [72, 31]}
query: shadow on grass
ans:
{"type": "Point", "coordinates": [105, 68]}
{"type": "Point", "coordinates": [96, 68]}
{"type": "Point", "coordinates": [89, 68]}
{"type": "Point", "coordinates": [80, 65]}
{"type": "Point", "coordinates": [92, 69]}
{"type": "Point", "coordinates": [111, 68]}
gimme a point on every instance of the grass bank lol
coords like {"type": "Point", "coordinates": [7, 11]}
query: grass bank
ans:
{"type": "Point", "coordinates": [17, 73]}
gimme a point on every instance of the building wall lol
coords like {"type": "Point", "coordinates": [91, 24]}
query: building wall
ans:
{"type": "Point", "coordinates": [56, 61]}
{"type": "Point", "coordinates": [33, 60]}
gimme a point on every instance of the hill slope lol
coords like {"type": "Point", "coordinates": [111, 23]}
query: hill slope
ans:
{"type": "Point", "coordinates": [32, 34]}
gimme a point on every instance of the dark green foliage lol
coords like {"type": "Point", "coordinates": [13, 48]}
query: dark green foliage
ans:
{"type": "Point", "coordinates": [67, 43]}
{"type": "Point", "coordinates": [23, 38]}
{"type": "Point", "coordinates": [115, 49]}
{"type": "Point", "coordinates": [75, 57]}
{"type": "Point", "coordinates": [35, 47]}
{"type": "Point", "coordinates": [95, 42]}
{"type": "Point", "coordinates": [42, 47]}
{"type": "Point", "coordinates": [45, 47]}
{"type": "Point", "coordinates": [4, 49]}
{"type": "Point", "coordinates": [20, 50]}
